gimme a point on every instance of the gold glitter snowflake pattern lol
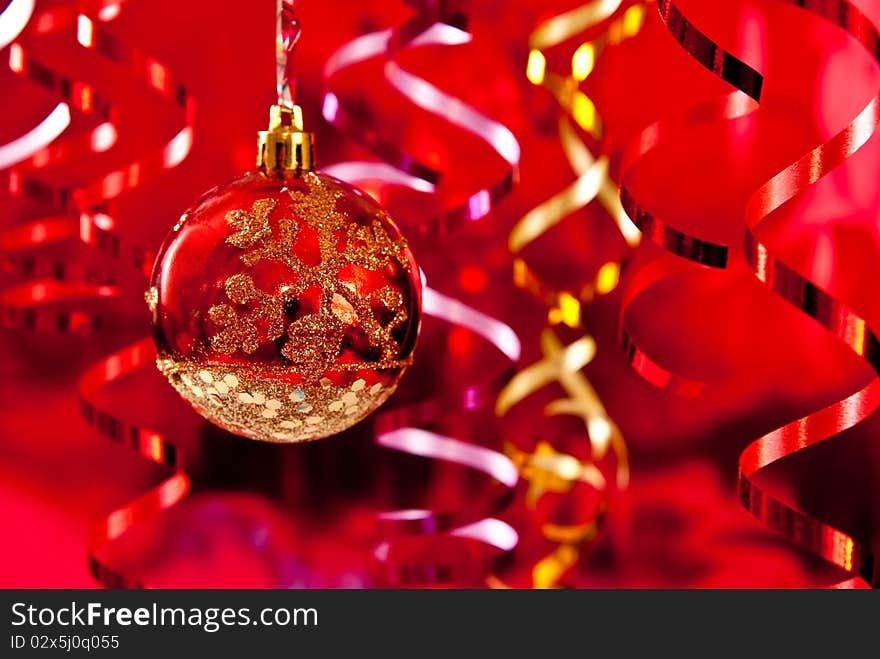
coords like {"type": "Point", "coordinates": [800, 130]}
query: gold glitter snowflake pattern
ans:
{"type": "Point", "coordinates": [240, 329]}
{"type": "Point", "coordinates": [313, 342]}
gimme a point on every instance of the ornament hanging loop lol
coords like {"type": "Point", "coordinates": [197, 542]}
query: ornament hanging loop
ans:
{"type": "Point", "coordinates": [287, 33]}
{"type": "Point", "coordinates": [285, 150]}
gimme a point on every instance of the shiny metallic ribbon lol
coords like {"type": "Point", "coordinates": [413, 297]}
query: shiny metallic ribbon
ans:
{"type": "Point", "coordinates": [546, 469]}
{"type": "Point", "coordinates": [579, 112]}
{"type": "Point", "coordinates": [53, 292]}
{"type": "Point", "coordinates": [436, 22]}
{"type": "Point", "coordinates": [408, 429]}
{"type": "Point", "coordinates": [833, 545]}
{"type": "Point", "coordinates": [148, 443]}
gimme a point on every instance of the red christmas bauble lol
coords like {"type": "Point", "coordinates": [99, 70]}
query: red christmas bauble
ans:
{"type": "Point", "coordinates": [285, 309]}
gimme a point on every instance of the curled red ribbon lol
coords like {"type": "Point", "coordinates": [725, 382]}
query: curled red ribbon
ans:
{"type": "Point", "coordinates": [55, 294]}
{"type": "Point", "coordinates": [844, 323]}
{"type": "Point", "coordinates": [144, 441]}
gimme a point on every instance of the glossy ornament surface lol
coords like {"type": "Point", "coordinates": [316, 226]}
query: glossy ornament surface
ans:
{"type": "Point", "coordinates": [285, 309]}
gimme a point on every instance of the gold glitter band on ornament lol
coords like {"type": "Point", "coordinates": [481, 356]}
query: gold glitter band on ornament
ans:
{"type": "Point", "coordinates": [258, 405]}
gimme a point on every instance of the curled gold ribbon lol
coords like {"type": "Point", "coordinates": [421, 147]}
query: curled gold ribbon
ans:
{"type": "Point", "coordinates": [578, 111]}
{"type": "Point", "coordinates": [545, 469]}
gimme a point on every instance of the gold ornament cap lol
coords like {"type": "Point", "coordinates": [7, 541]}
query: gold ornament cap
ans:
{"type": "Point", "coordinates": [285, 150]}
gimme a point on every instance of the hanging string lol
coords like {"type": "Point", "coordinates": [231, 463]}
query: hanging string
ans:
{"type": "Point", "coordinates": [287, 33]}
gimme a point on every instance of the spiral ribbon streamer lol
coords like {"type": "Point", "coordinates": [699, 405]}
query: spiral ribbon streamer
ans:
{"type": "Point", "coordinates": [51, 287]}
{"type": "Point", "coordinates": [148, 443]}
{"type": "Point", "coordinates": [593, 179]}
{"type": "Point", "coordinates": [436, 22]}
{"type": "Point", "coordinates": [822, 539]}
{"type": "Point", "coordinates": [546, 469]}
{"type": "Point", "coordinates": [86, 213]}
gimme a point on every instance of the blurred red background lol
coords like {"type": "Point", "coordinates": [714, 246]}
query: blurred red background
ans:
{"type": "Point", "coordinates": [303, 516]}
